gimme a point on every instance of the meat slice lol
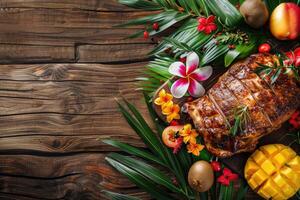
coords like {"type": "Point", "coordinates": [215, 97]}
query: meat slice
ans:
{"type": "Point", "coordinates": [269, 105]}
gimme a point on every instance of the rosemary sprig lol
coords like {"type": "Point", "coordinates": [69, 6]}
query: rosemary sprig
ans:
{"type": "Point", "coordinates": [276, 69]}
{"type": "Point", "coordinates": [241, 119]}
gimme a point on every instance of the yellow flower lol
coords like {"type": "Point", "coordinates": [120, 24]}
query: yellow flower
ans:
{"type": "Point", "coordinates": [188, 134]}
{"type": "Point", "coordinates": [163, 98]}
{"type": "Point", "coordinates": [171, 110]}
{"type": "Point", "coordinates": [195, 148]}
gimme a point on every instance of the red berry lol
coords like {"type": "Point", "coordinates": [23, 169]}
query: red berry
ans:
{"type": "Point", "coordinates": [264, 48]}
{"type": "Point", "coordinates": [146, 34]}
{"type": "Point", "coordinates": [216, 166]}
{"type": "Point", "coordinates": [155, 26]}
{"type": "Point", "coordinates": [189, 99]}
{"type": "Point", "coordinates": [183, 59]}
{"type": "Point", "coordinates": [174, 123]}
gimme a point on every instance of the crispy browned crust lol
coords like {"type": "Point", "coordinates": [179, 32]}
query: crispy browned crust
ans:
{"type": "Point", "coordinates": [269, 106]}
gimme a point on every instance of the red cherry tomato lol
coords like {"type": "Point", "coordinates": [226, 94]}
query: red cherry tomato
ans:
{"type": "Point", "coordinates": [264, 48]}
{"type": "Point", "coordinates": [146, 34]}
{"type": "Point", "coordinates": [168, 136]}
{"type": "Point", "coordinates": [155, 26]}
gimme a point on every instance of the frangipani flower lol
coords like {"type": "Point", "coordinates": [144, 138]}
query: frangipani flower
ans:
{"type": "Point", "coordinates": [195, 148]}
{"type": "Point", "coordinates": [188, 134]}
{"type": "Point", "coordinates": [163, 98]}
{"type": "Point", "coordinates": [189, 75]}
{"type": "Point", "coordinates": [171, 110]}
{"type": "Point", "coordinates": [207, 25]}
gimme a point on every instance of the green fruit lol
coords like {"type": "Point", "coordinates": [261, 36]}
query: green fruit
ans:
{"type": "Point", "coordinates": [254, 12]}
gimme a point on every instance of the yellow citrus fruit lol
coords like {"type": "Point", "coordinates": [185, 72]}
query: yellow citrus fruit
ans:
{"type": "Point", "coordinates": [273, 171]}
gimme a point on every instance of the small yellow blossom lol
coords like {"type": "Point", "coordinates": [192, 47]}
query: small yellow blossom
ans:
{"type": "Point", "coordinates": [188, 134]}
{"type": "Point", "coordinates": [171, 110]}
{"type": "Point", "coordinates": [195, 148]}
{"type": "Point", "coordinates": [163, 98]}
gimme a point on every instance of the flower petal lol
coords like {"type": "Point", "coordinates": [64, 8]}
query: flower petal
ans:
{"type": "Point", "coordinates": [178, 69]}
{"type": "Point", "coordinates": [196, 89]}
{"type": "Point", "coordinates": [180, 87]}
{"type": "Point", "coordinates": [192, 62]}
{"type": "Point", "coordinates": [202, 20]}
{"type": "Point", "coordinates": [211, 19]}
{"type": "Point", "coordinates": [202, 73]}
{"type": "Point", "coordinates": [210, 28]}
{"type": "Point", "coordinates": [201, 27]}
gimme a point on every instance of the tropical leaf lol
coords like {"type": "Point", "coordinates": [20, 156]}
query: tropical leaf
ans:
{"type": "Point", "coordinates": [213, 52]}
{"type": "Point", "coordinates": [227, 13]}
{"type": "Point", "coordinates": [147, 171]}
{"type": "Point", "coordinates": [134, 151]}
{"type": "Point", "coordinates": [141, 4]}
{"type": "Point", "coordinates": [241, 51]}
{"type": "Point", "coordinates": [117, 196]}
{"type": "Point", "coordinates": [186, 34]}
{"type": "Point", "coordinates": [140, 180]}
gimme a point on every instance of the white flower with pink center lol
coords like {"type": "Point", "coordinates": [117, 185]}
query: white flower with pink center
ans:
{"type": "Point", "coordinates": [189, 77]}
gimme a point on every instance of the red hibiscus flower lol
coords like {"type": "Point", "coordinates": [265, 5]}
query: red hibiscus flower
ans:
{"type": "Point", "coordinates": [295, 120]}
{"type": "Point", "coordinates": [216, 166]}
{"type": "Point", "coordinates": [227, 177]}
{"type": "Point", "coordinates": [207, 25]}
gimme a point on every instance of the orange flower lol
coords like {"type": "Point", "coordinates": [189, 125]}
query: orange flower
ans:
{"type": "Point", "coordinates": [171, 110]}
{"type": "Point", "coordinates": [195, 148]}
{"type": "Point", "coordinates": [163, 98]}
{"type": "Point", "coordinates": [188, 134]}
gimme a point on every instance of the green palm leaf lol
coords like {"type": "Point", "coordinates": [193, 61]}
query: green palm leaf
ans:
{"type": "Point", "coordinates": [140, 180]}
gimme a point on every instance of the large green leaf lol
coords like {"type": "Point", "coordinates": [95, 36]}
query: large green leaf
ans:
{"type": "Point", "coordinates": [227, 13]}
{"type": "Point", "coordinates": [140, 180]}
{"type": "Point", "coordinates": [241, 51]}
{"type": "Point", "coordinates": [148, 171]}
{"type": "Point", "coordinates": [141, 4]}
{"type": "Point", "coordinates": [145, 133]}
{"type": "Point", "coordinates": [134, 151]}
{"type": "Point", "coordinates": [187, 34]}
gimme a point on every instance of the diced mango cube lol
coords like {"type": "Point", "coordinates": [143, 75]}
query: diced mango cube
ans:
{"type": "Point", "coordinates": [259, 177]}
{"type": "Point", "coordinates": [295, 164]}
{"type": "Point", "coordinates": [264, 194]}
{"type": "Point", "coordinates": [252, 184]}
{"type": "Point", "coordinates": [279, 160]}
{"type": "Point", "coordinates": [279, 180]}
{"type": "Point", "coordinates": [288, 190]}
{"type": "Point", "coordinates": [269, 149]}
{"type": "Point", "coordinates": [250, 168]}
{"type": "Point", "coordinates": [270, 188]}
{"type": "Point", "coordinates": [292, 177]}
{"type": "Point", "coordinates": [268, 167]}
{"type": "Point", "coordinates": [288, 154]}
{"type": "Point", "coordinates": [279, 196]}
{"type": "Point", "coordinates": [258, 157]}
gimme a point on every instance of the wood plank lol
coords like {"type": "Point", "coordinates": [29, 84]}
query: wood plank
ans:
{"type": "Point", "coordinates": [36, 53]}
{"type": "Point", "coordinates": [97, 5]}
{"type": "Point", "coordinates": [114, 53]}
{"type": "Point", "coordinates": [79, 176]}
{"type": "Point", "coordinates": [64, 27]}
{"type": "Point", "coordinates": [58, 100]}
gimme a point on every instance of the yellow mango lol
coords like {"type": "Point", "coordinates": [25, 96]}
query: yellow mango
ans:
{"type": "Point", "coordinates": [274, 171]}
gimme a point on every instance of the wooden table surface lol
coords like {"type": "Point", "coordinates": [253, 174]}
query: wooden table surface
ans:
{"type": "Point", "coordinates": [62, 65]}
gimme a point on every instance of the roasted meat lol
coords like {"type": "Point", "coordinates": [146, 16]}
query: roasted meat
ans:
{"type": "Point", "coordinates": [268, 106]}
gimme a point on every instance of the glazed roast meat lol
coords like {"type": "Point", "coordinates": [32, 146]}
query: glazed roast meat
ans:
{"type": "Point", "coordinates": [269, 105]}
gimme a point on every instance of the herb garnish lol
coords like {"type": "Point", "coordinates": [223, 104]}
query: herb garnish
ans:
{"type": "Point", "coordinates": [241, 119]}
{"type": "Point", "coordinates": [277, 69]}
